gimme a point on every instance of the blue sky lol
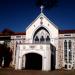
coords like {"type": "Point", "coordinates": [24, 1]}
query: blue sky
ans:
{"type": "Point", "coordinates": [18, 14]}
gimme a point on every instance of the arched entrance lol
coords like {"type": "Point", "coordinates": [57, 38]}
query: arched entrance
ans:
{"type": "Point", "coordinates": [33, 61]}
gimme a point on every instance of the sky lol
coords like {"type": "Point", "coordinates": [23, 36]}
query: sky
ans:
{"type": "Point", "coordinates": [18, 14]}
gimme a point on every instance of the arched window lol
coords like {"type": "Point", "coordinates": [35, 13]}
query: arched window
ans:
{"type": "Point", "coordinates": [47, 39]}
{"type": "Point", "coordinates": [65, 51]}
{"type": "Point", "coordinates": [42, 40]}
{"type": "Point", "coordinates": [41, 32]}
{"type": "Point", "coordinates": [36, 39]}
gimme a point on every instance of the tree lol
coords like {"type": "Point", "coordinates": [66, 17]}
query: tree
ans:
{"type": "Point", "coordinates": [5, 50]}
{"type": "Point", "coordinates": [48, 4]}
{"type": "Point", "coordinates": [5, 55]}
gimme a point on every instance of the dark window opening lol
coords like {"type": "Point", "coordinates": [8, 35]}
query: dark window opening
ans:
{"type": "Point", "coordinates": [69, 66]}
{"type": "Point", "coordinates": [70, 52]}
{"type": "Point", "coordinates": [47, 39]}
{"type": "Point", "coordinates": [42, 40]}
{"type": "Point", "coordinates": [66, 66]}
{"type": "Point", "coordinates": [36, 39]}
{"type": "Point", "coordinates": [69, 44]}
{"type": "Point", "coordinates": [65, 51]}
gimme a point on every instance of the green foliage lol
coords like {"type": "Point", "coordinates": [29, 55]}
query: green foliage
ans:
{"type": "Point", "coordinates": [5, 54]}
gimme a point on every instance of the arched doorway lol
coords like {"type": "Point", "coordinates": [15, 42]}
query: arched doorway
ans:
{"type": "Point", "coordinates": [33, 61]}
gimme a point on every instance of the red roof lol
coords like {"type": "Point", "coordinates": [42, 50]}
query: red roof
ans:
{"type": "Point", "coordinates": [66, 31]}
{"type": "Point", "coordinates": [15, 33]}
{"type": "Point", "coordinates": [6, 32]}
{"type": "Point", "coordinates": [1, 33]}
{"type": "Point", "coordinates": [20, 33]}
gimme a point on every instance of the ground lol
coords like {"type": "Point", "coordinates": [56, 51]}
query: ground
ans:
{"type": "Point", "coordinates": [35, 72]}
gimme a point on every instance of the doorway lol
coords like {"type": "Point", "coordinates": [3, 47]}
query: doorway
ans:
{"type": "Point", "coordinates": [33, 61]}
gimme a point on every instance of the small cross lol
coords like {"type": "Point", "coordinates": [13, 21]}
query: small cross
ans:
{"type": "Point", "coordinates": [42, 8]}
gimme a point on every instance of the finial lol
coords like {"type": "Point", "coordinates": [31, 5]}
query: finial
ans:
{"type": "Point", "coordinates": [42, 8]}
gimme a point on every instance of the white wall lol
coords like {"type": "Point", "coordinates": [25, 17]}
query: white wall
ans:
{"type": "Point", "coordinates": [52, 29]}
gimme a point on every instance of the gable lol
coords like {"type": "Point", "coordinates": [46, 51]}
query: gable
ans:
{"type": "Point", "coordinates": [38, 19]}
{"type": "Point", "coordinates": [44, 22]}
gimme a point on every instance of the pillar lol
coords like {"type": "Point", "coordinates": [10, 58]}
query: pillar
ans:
{"type": "Point", "coordinates": [20, 63]}
{"type": "Point", "coordinates": [46, 64]}
{"type": "Point", "coordinates": [23, 61]}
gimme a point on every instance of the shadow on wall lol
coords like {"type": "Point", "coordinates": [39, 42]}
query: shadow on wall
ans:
{"type": "Point", "coordinates": [5, 55]}
{"type": "Point", "coordinates": [53, 57]}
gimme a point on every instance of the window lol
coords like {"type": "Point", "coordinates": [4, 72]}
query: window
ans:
{"type": "Point", "coordinates": [36, 39]}
{"type": "Point", "coordinates": [67, 35]}
{"type": "Point", "coordinates": [69, 44]}
{"type": "Point", "coordinates": [47, 39]}
{"type": "Point", "coordinates": [70, 52]}
{"type": "Point", "coordinates": [18, 36]}
{"type": "Point", "coordinates": [65, 66]}
{"type": "Point", "coordinates": [41, 33]}
{"type": "Point", "coordinates": [42, 40]}
{"type": "Point", "coordinates": [65, 50]}
{"type": "Point", "coordinates": [69, 66]}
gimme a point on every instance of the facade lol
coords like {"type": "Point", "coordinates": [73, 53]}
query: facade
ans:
{"type": "Point", "coordinates": [43, 46]}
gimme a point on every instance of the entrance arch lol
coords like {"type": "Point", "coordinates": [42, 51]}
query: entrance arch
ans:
{"type": "Point", "coordinates": [40, 58]}
{"type": "Point", "coordinates": [33, 61]}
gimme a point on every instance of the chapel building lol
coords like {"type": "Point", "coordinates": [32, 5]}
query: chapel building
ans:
{"type": "Point", "coordinates": [43, 46]}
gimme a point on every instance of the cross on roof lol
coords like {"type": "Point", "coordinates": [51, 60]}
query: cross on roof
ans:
{"type": "Point", "coordinates": [42, 8]}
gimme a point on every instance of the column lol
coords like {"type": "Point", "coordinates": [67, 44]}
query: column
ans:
{"type": "Point", "coordinates": [46, 64]}
{"type": "Point", "coordinates": [20, 63]}
{"type": "Point", "coordinates": [23, 61]}
{"type": "Point", "coordinates": [17, 57]}
{"type": "Point", "coordinates": [56, 66]}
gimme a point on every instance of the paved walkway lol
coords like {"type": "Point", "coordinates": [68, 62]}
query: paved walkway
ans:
{"type": "Point", "coordinates": [34, 72]}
